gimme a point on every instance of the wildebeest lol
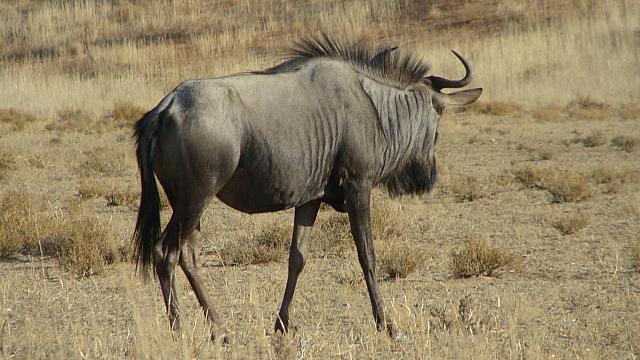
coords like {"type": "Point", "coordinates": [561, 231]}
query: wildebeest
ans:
{"type": "Point", "coordinates": [326, 125]}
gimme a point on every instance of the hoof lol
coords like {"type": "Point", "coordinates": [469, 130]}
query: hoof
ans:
{"type": "Point", "coordinates": [222, 336]}
{"type": "Point", "coordinates": [282, 326]}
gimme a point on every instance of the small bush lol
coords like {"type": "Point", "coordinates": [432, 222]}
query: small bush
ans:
{"type": "Point", "coordinates": [351, 275]}
{"type": "Point", "coordinates": [103, 161]}
{"type": "Point", "coordinates": [570, 224]}
{"type": "Point", "coordinates": [82, 243]}
{"type": "Point", "coordinates": [588, 109]}
{"type": "Point", "coordinates": [332, 235]}
{"type": "Point", "coordinates": [398, 260]}
{"type": "Point", "coordinates": [17, 224]}
{"type": "Point", "coordinates": [548, 113]}
{"type": "Point", "coordinates": [593, 140]}
{"type": "Point", "coordinates": [126, 114]}
{"type": "Point", "coordinates": [87, 246]}
{"type": "Point", "coordinates": [387, 220]}
{"type": "Point", "coordinates": [72, 120]}
{"type": "Point", "coordinates": [467, 189]}
{"type": "Point", "coordinates": [7, 161]}
{"type": "Point", "coordinates": [532, 177]}
{"type": "Point", "coordinates": [565, 187]}
{"type": "Point", "coordinates": [266, 245]}
{"type": "Point", "coordinates": [92, 189]}
{"type": "Point", "coordinates": [635, 255]}
{"type": "Point", "coordinates": [496, 108]}
{"type": "Point", "coordinates": [477, 258]}
{"type": "Point", "coordinates": [562, 185]}
{"type": "Point", "coordinates": [625, 143]}
{"type": "Point", "coordinates": [630, 111]}
{"type": "Point", "coordinates": [612, 180]}
{"type": "Point", "coordinates": [18, 119]}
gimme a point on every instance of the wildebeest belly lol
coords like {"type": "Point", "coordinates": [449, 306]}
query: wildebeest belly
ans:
{"type": "Point", "coordinates": [255, 192]}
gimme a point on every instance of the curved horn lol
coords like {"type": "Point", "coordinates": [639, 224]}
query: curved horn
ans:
{"type": "Point", "coordinates": [439, 83]}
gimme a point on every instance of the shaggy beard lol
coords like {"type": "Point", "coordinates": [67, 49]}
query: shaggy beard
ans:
{"type": "Point", "coordinates": [417, 177]}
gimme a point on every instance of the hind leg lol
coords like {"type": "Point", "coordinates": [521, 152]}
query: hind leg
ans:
{"type": "Point", "coordinates": [190, 249]}
{"type": "Point", "coordinates": [166, 255]}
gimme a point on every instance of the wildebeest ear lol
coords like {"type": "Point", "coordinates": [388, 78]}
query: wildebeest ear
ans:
{"type": "Point", "coordinates": [460, 98]}
{"type": "Point", "coordinates": [381, 56]}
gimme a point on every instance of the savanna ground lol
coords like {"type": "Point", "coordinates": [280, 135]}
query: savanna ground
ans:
{"type": "Point", "coordinates": [527, 248]}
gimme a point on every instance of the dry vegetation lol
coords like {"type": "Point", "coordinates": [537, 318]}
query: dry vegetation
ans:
{"type": "Point", "coordinates": [478, 258]}
{"type": "Point", "coordinates": [542, 173]}
{"type": "Point", "coordinates": [570, 224]}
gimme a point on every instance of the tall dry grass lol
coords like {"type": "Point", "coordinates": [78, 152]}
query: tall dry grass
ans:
{"type": "Point", "coordinates": [91, 55]}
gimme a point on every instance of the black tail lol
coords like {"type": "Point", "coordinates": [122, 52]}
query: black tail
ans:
{"type": "Point", "coordinates": [147, 230]}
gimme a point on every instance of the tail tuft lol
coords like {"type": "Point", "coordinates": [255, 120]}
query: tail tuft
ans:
{"type": "Point", "coordinates": [147, 230]}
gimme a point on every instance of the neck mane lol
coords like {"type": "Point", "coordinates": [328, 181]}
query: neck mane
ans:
{"type": "Point", "coordinates": [383, 64]}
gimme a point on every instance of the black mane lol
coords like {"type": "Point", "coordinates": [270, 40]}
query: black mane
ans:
{"type": "Point", "coordinates": [383, 63]}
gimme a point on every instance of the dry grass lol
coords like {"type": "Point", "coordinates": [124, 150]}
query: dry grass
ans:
{"type": "Point", "coordinates": [495, 108]}
{"type": "Point", "coordinates": [84, 244]}
{"type": "Point", "coordinates": [634, 255]}
{"type": "Point", "coordinates": [538, 64]}
{"type": "Point", "coordinates": [465, 189]}
{"type": "Point", "coordinates": [533, 177]}
{"type": "Point", "coordinates": [564, 186]}
{"type": "Point", "coordinates": [586, 108]}
{"type": "Point", "coordinates": [625, 143]}
{"type": "Point", "coordinates": [7, 161]}
{"type": "Point", "coordinates": [125, 114]}
{"type": "Point", "coordinates": [593, 140]}
{"type": "Point", "coordinates": [87, 245]}
{"type": "Point", "coordinates": [570, 224]}
{"type": "Point", "coordinates": [612, 181]}
{"type": "Point", "coordinates": [399, 259]}
{"type": "Point", "coordinates": [332, 235]}
{"type": "Point", "coordinates": [90, 188]}
{"type": "Point", "coordinates": [478, 258]}
{"type": "Point", "coordinates": [568, 187]}
{"type": "Point", "coordinates": [73, 120]}
{"type": "Point", "coordinates": [18, 119]}
{"type": "Point", "coordinates": [548, 113]}
{"type": "Point", "coordinates": [258, 246]}
{"type": "Point", "coordinates": [103, 161]}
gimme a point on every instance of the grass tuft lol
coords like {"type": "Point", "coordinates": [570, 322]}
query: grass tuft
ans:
{"type": "Point", "coordinates": [83, 244]}
{"type": "Point", "coordinates": [102, 162]}
{"type": "Point", "coordinates": [72, 120]}
{"type": "Point", "coordinates": [532, 177]}
{"type": "Point", "coordinates": [570, 224]}
{"type": "Point", "coordinates": [593, 140]}
{"type": "Point", "coordinates": [588, 109]}
{"type": "Point", "coordinates": [332, 236]}
{"type": "Point", "coordinates": [267, 244]}
{"type": "Point", "coordinates": [87, 245]}
{"type": "Point", "coordinates": [16, 118]}
{"type": "Point", "coordinates": [7, 161]}
{"type": "Point", "coordinates": [466, 189]}
{"type": "Point", "coordinates": [125, 114]}
{"type": "Point", "coordinates": [477, 258]}
{"type": "Point", "coordinates": [634, 254]}
{"type": "Point", "coordinates": [563, 186]}
{"type": "Point", "coordinates": [496, 108]}
{"type": "Point", "coordinates": [625, 143]}
{"type": "Point", "coordinates": [567, 187]}
{"type": "Point", "coordinates": [398, 260]}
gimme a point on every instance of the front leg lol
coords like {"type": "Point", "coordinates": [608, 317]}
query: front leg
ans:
{"type": "Point", "coordinates": [304, 219]}
{"type": "Point", "coordinates": [358, 208]}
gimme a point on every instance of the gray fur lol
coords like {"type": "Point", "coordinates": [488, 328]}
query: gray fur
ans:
{"type": "Point", "coordinates": [326, 125]}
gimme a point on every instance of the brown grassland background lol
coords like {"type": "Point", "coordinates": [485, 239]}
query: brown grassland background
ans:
{"type": "Point", "coordinates": [529, 247]}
